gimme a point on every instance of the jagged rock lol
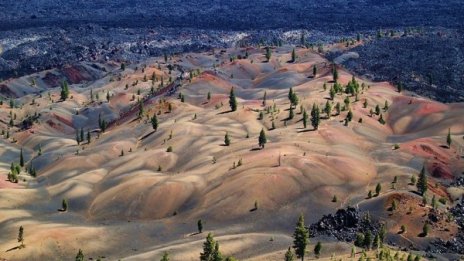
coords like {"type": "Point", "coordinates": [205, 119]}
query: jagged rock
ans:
{"type": "Point", "coordinates": [344, 225]}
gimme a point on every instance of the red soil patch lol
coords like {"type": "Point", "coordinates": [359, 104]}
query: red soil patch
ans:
{"type": "Point", "coordinates": [438, 160]}
{"type": "Point", "coordinates": [440, 170]}
{"type": "Point", "coordinates": [76, 74]}
{"type": "Point", "coordinates": [63, 120]}
{"type": "Point", "coordinates": [5, 91]}
{"type": "Point", "coordinates": [429, 107]}
{"type": "Point", "coordinates": [51, 79]}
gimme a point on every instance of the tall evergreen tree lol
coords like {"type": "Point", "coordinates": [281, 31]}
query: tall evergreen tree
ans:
{"type": "Point", "coordinates": [422, 182]}
{"type": "Point", "coordinates": [217, 256]}
{"type": "Point", "coordinates": [80, 256]}
{"type": "Point", "coordinates": [154, 122]}
{"type": "Point", "coordinates": [64, 90]}
{"type": "Point", "coordinates": [290, 94]}
{"type": "Point", "coordinates": [226, 139]}
{"type": "Point", "coordinates": [82, 135]}
{"type": "Point", "coordinates": [21, 158]}
{"type": "Point", "coordinates": [332, 93]}
{"type": "Point", "coordinates": [300, 238]}
{"type": "Point", "coordinates": [141, 110]}
{"type": "Point", "coordinates": [293, 55]}
{"type": "Point", "coordinates": [314, 71]}
{"type": "Point", "coordinates": [78, 137]}
{"type": "Point", "coordinates": [232, 100]}
{"type": "Point", "coordinates": [335, 73]}
{"type": "Point", "coordinates": [367, 240]}
{"type": "Point", "coordinates": [64, 205]}
{"type": "Point", "coordinates": [315, 116]}
{"type": "Point", "coordinates": [89, 137]}
{"type": "Point", "coordinates": [305, 119]}
{"type": "Point", "coordinates": [262, 140]}
{"type": "Point", "coordinates": [349, 116]}
{"type": "Point", "coordinates": [209, 247]}
{"type": "Point", "coordinates": [378, 188]}
{"type": "Point", "coordinates": [21, 236]}
{"type": "Point", "coordinates": [264, 98]}
{"type": "Point", "coordinates": [290, 113]}
{"type": "Point", "coordinates": [268, 54]}
{"type": "Point", "coordinates": [165, 257]}
{"type": "Point", "coordinates": [317, 249]}
{"type": "Point", "coordinates": [289, 256]}
{"type": "Point", "coordinates": [200, 226]}
{"type": "Point", "coordinates": [328, 109]}
{"type": "Point", "coordinates": [448, 138]}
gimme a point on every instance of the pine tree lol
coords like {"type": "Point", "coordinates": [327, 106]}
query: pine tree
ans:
{"type": "Point", "coordinates": [264, 98]}
{"type": "Point", "coordinates": [367, 240]}
{"type": "Point", "coordinates": [314, 71]}
{"type": "Point", "coordinates": [293, 55]}
{"type": "Point", "coordinates": [154, 122]}
{"type": "Point", "coordinates": [377, 109]}
{"type": "Point", "coordinates": [141, 110]}
{"type": "Point", "coordinates": [262, 140]}
{"type": "Point", "coordinates": [349, 116]}
{"type": "Point", "coordinates": [200, 226]}
{"type": "Point", "coordinates": [386, 106]}
{"type": "Point", "coordinates": [268, 54]}
{"type": "Point", "coordinates": [217, 256]}
{"type": "Point", "coordinates": [208, 96]}
{"type": "Point", "coordinates": [78, 138]}
{"type": "Point", "coordinates": [425, 229]}
{"type": "Point", "coordinates": [21, 236]}
{"type": "Point", "coordinates": [80, 256]}
{"type": "Point", "coordinates": [165, 257]}
{"type": "Point", "coordinates": [21, 158]}
{"type": "Point", "coordinates": [337, 108]}
{"type": "Point", "coordinates": [328, 109]}
{"type": "Point", "coordinates": [381, 120]}
{"type": "Point", "coordinates": [315, 116]}
{"type": "Point", "coordinates": [290, 113]}
{"type": "Point", "coordinates": [448, 138]}
{"type": "Point", "coordinates": [305, 119]}
{"type": "Point", "coordinates": [434, 202]}
{"type": "Point", "coordinates": [82, 134]}
{"type": "Point", "coordinates": [208, 249]}
{"type": "Point", "coordinates": [422, 182]}
{"type": "Point", "coordinates": [89, 137]}
{"type": "Point", "coordinates": [64, 205]}
{"type": "Point", "coordinates": [332, 93]}
{"type": "Point", "coordinates": [335, 73]}
{"type": "Point", "coordinates": [317, 249]}
{"type": "Point", "coordinates": [300, 238]}
{"type": "Point", "coordinates": [378, 188]}
{"type": "Point", "coordinates": [289, 256]}
{"type": "Point", "coordinates": [226, 139]}
{"type": "Point", "coordinates": [64, 91]}
{"type": "Point", "coordinates": [232, 100]}
{"type": "Point", "coordinates": [290, 94]}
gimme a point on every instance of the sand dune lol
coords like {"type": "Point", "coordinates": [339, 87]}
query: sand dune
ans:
{"type": "Point", "coordinates": [152, 198]}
